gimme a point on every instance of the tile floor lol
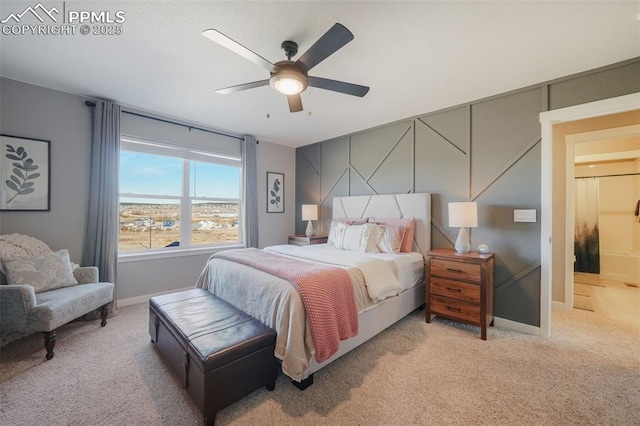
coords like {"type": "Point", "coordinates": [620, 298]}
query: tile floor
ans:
{"type": "Point", "coordinates": [607, 297]}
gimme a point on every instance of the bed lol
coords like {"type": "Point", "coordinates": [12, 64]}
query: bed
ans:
{"type": "Point", "coordinates": [277, 303]}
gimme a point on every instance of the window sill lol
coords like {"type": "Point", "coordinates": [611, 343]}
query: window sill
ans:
{"type": "Point", "coordinates": [135, 257]}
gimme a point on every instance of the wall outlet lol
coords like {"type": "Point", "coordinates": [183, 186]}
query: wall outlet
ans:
{"type": "Point", "coordinates": [524, 215]}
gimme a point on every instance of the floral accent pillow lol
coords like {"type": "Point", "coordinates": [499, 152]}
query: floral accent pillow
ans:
{"type": "Point", "coordinates": [17, 245]}
{"type": "Point", "coordinates": [44, 272]}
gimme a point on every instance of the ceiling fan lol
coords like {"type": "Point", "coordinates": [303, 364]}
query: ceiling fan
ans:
{"type": "Point", "coordinates": [289, 77]}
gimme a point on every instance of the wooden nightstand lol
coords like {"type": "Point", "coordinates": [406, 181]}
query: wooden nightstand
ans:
{"type": "Point", "coordinates": [303, 240]}
{"type": "Point", "coordinates": [460, 287]}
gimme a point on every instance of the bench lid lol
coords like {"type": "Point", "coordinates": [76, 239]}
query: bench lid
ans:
{"type": "Point", "coordinates": [215, 331]}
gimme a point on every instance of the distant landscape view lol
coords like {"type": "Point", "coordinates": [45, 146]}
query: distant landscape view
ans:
{"type": "Point", "coordinates": [153, 226]}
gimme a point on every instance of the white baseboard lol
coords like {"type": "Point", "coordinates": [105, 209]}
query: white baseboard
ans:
{"type": "Point", "coordinates": [516, 326]}
{"type": "Point", "coordinates": [145, 298]}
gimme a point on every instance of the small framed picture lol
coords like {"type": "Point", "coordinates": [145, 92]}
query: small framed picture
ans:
{"type": "Point", "coordinates": [25, 174]}
{"type": "Point", "coordinates": [275, 192]}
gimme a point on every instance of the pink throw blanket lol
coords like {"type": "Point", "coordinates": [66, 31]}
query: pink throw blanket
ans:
{"type": "Point", "coordinates": [326, 292]}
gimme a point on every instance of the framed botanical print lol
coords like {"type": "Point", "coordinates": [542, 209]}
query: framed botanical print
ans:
{"type": "Point", "coordinates": [25, 174]}
{"type": "Point", "coordinates": [275, 192]}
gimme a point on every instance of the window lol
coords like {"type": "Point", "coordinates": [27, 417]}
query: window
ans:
{"type": "Point", "coordinates": [174, 197]}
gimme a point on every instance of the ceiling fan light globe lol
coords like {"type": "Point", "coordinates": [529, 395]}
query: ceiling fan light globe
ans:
{"type": "Point", "coordinates": [288, 86]}
{"type": "Point", "coordinates": [289, 82]}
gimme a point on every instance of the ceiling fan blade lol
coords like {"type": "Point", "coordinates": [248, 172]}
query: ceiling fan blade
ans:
{"type": "Point", "coordinates": [338, 86]}
{"type": "Point", "coordinates": [240, 87]}
{"type": "Point", "coordinates": [295, 103]}
{"type": "Point", "coordinates": [234, 46]}
{"type": "Point", "coordinates": [329, 43]}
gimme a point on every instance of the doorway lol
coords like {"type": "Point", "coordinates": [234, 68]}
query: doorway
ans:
{"type": "Point", "coordinates": [556, 207]}
{"type": "Point", "coordinates": [606, 233]}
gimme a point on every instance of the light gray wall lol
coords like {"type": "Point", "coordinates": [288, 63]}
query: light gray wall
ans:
{"type": "Point", "coordinates": [35, 112]}
{"type": "Point", "coordinates": [487, 151]}
{"type": "Point", "coordinates": [150, 276]}
{"type": "Point", "coordinates": [32, 111]}
{"type": "Point", "coordinates": [274, 228]}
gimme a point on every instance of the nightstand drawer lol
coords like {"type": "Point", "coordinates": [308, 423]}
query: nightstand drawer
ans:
{"type": "Point", "coordinates": [464, 292]}
{"type": "Point", "coordinates": [454, 309]}
{"type": "Point", "coordinates": [456, 270]}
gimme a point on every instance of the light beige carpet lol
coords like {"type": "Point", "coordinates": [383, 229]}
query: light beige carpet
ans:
{"type": "Point", "coordinates": [412, 374]}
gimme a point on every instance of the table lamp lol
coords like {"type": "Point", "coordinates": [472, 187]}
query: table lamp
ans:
{"type": "Point", "coordinates": [309, 212]}
{"type": "Point", "coordinates": [463, 215]}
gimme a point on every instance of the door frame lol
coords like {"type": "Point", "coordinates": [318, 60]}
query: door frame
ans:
{"type": "Point", "coordinates": [547, 255]}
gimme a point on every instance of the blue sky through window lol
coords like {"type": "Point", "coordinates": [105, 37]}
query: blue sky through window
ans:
{"type": "Point", "coordinates": [151, 174]}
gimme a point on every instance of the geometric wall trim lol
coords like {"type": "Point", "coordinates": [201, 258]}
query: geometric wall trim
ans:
{"type": "Point", "coordinates": [451, 126]}
{"type": "Point", "coordinates": [507, 167]}
{"type": "Point", "coordinates": [443, 139]}
{"type": "Point", "coordinates": [502, 129]}
{"type": "Point", "coordinates": [438, 227]}
{"type": "Point", "coordinates": [518, 276]}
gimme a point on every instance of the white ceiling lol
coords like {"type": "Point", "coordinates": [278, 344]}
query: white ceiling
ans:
{"type": "Point", "coordinates": [608, 145]}
{"type": "Point", "coordinates": [417, 57]}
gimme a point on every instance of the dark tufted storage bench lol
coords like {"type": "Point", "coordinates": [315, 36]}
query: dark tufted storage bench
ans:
{"type": "Point", "coordinates": [219, 353]}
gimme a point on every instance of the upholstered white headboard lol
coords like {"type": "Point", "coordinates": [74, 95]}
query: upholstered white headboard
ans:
{"type": "Point", "coordinates": [417, 206]}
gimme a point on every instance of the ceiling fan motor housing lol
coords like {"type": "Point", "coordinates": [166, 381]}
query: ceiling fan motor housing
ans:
{"type": "Point", "coordinates": [290, 48]}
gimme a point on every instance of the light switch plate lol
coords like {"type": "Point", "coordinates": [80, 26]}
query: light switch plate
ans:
{"type": "Point", "coordinates": [524, 215]}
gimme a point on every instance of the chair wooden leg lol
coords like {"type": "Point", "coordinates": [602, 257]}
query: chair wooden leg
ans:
{"type": "Point", "coordinates": [104, 311]}
{"type": "Point", "coordinates": [49, 342]}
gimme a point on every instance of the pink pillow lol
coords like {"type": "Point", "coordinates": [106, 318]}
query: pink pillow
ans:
{"type": "Point", "coordinates": [352, 220]}
{"type": "Point", "coordinates": [409, 223]}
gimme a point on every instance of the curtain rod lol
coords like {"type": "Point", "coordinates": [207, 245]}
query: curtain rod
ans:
{"type": "Point", "coordinates": [622, 174]}
{"type": "Point", "coordinates": [93, 104]}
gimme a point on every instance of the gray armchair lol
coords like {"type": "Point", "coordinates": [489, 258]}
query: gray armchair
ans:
{"type": "Point", "coordinates": [23, 312]}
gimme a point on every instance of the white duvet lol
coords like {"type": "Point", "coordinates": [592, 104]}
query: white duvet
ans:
{"type": "Point", "coordinates": [277, 303]}
{"type": "Point", "coordinates": [379, 278]}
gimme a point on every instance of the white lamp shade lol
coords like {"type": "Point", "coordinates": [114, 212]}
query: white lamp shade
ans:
{"type": "Point", "coordinates": [309, 212]}
{"type": "Point", "coordinates": [463, 214]}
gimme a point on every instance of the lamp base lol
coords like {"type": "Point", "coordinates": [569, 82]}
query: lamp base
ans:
{"type": "Point", "coordinates": [309, 232]}
{"type": "Point", "coordinates": [462, 242]}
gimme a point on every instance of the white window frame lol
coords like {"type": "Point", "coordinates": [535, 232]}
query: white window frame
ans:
{"type": "Point", "coordinates": [186, 200]}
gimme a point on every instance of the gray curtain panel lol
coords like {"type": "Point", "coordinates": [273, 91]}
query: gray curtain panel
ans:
{"type": "Point", "coordinates": [101, 235]}
{"type": "Point", "coordinates": [250, 191]}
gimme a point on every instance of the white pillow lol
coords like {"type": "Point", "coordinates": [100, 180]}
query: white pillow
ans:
{"type": "Point", "coordinates": [391, 237]}
{"type": "Point", "coordinates": [44, 272]}
{"type": "Point", "coordinates": [357, 237]}
{"type": "Point", "coordinates": [336, 233]}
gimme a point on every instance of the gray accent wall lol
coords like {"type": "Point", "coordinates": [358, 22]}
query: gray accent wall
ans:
{"type": "Point", "coordinates": [486, 151]}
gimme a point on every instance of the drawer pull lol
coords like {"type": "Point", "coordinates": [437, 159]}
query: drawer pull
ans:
{"type": "Point", "coordinates": [455, 290]}
{"type": "Point", "coordinates": [453, 309]}
{"type": "Point", "coordinates": [457, 271]}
